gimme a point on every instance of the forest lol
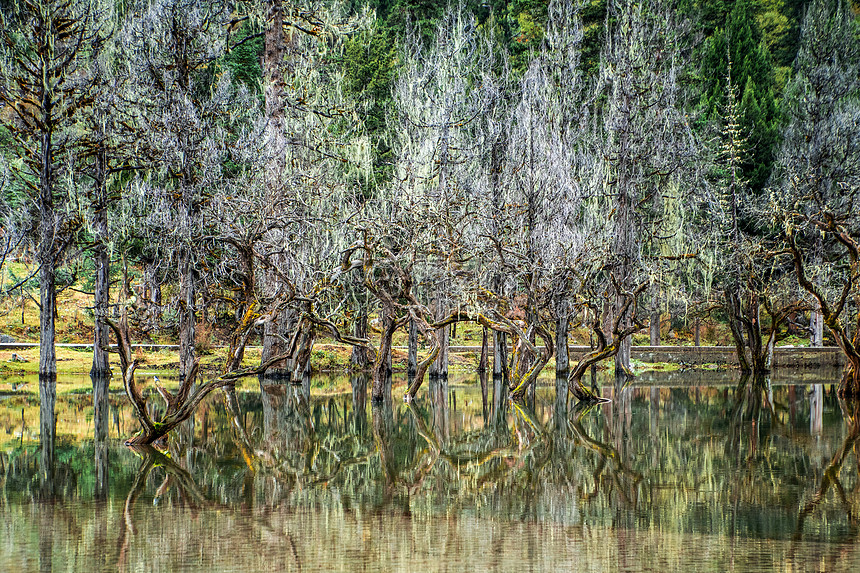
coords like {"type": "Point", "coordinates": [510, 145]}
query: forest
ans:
{"type": "Point", "coordinates": [293, 171]}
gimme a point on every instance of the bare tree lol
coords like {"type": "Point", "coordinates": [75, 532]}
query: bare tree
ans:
{"type": "Point", "coordinates": [645, 140]}
{"type": "Point", "coordinates": [438, 98]}
{"type": "Point", "coordinates": [172, 45]}
{"type": "Point", "coordinates": [817, 175]}
{"type": "Point", "coordinates": [314, 155]}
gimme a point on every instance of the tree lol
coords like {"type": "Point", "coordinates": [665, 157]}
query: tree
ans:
{"type": "Point", "coordinates": [647, 148]}
{"type": "Point", "coordinates": [439, 98]}
{"type": "Point", "coordinates": [173, 50]}
{"type": "Point", "coordinates": [750, 272]}
{"type": "Point", "coordinates": [543, 200]}
{"type": "Point", "coordinates": [740, 45]}
{"type": "Point", "coordinates": [46, 82]}
{"type": "Point", "coordinates": [817, 179]}
{"type": "Point", "coordinates": [314, 146]}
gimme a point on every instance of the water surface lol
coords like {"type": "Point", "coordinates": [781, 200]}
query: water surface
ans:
{"type": "Point", "coordinates": [681, 471]}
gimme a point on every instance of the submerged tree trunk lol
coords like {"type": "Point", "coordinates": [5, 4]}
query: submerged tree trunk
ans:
{"type": "Point", "coordinates": [733, 309]}
{"type": "Point", "coordinates": [275, 336]}
{"type": "Point", "coordinates": [622, 358]}
{"type": "Point", "coordinates": [303, 348]}
{"type": "Point", "coordinates": [358, 359]}
{"type": "Point", "coordinates": [606, 347]}
{"type": "Point", "coordinates": [755, 340]}
{"type": "Point", "coordinates": [382, 366]}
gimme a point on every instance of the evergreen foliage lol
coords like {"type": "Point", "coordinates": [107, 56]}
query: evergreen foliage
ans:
{"type": "Point", "coordinates": [741, 43]}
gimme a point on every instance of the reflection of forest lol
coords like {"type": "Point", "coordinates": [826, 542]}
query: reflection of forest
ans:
{"type": "Point", "coordinates": [740, 462]}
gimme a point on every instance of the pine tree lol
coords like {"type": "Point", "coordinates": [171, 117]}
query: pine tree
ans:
{"type": "Point", "coordinates": [741, 42]}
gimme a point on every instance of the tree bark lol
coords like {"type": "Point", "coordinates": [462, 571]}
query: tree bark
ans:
{"type": "Point", "coordinates": [382, 366]}
{"type": "Point", "coordinates": [500, 354]}
{"type": "Point", "coordinates": [412, 359]}
{"type": "Point", "coordinates": [101, 264]}
{"type": "Point", "coordinates": [816, 327]}
{"type": "Point", "coordinates": [47, 259]}
{"type": "Point", "coordinates": [654, 328]}
{"type": "Point", "coordinates": [275, 335]}
{"type": "Point", "coordinates": [482, 361]}
{"type": "Point", "coordinates": [358, 359]}
{"type": "Point", "coordinates": [439, 368]}
{"type": "Point", "coordinates": [562, 358]}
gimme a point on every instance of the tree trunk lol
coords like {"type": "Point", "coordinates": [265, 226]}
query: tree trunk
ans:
{"type": "Point", "coordinates": [758, 352]}
{"type": "Point", "coordinates": [412, 360]}
{"type": "Point", "coordinates": [382, 366]}
{"type": "Point", "coordinates": [654, 328]}
{"type": "Point", "coordinates": [47, 314]}
{"type": "Point", "coordinates": [187, 313]}
{"type": "Point", "coordinates": [482, 361]}
{"type": "Point", "coordinates": [622, 359]}
{"type": "Point", "coordinates": [101, 340]}
{"type": "Point", "coordinates": [816, 327]}
{"type": "Point", "coordinates": [697, 331]}
{"type": "Point", "coordinates": [304, 348]}
{"type": "Point", "coordinates": [274, 54]}
{"type": "Point", "coordinates": [275, 334]}
{"type": "Point", "coordinates": [500, 354]}
{"type": "Point", "coordinates": [733, 309]}
{"type": "Point", "coordinates": [439, 368]}
{"type": "Point", "coordinates": [48, 261]}
{"type": "Point", "coordinates": [562, 358]}
{"type": "Point", "coordinates": [101, 263]}
{"type": "Point", "coordinates": [358, 359]}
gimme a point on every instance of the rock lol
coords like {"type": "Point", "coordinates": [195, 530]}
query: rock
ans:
{"type": "Point", "coordinates": [6, 339]}
{"type": "Point", "coordinates": [16, 358]}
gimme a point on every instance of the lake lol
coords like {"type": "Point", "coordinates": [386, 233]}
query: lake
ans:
{"type": "Point", "coordinates": [684, 471]}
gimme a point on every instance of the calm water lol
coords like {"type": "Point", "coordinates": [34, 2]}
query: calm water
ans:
{"type": "Point", "coordinates": [679, 472]}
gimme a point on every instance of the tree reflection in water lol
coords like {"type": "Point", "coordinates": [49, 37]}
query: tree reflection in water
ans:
{"type": "Point", "coordinates": [655, 459]}
{"type": "Point", "coordinates": [849, 499]}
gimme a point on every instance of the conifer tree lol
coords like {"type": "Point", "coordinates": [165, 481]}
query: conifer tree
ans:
{"type": "Point", "coordinates": [741, 42]}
